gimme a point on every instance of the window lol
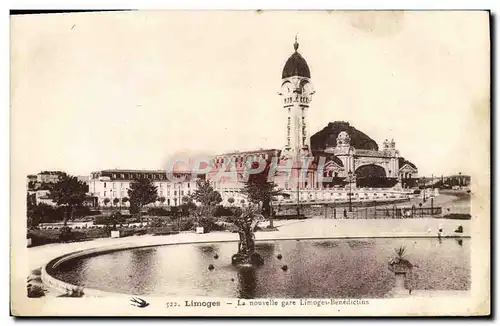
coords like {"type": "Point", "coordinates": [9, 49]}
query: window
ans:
{"type": "Point", "coordinates": [104, 184]}
{"type": "Point", "coordinates": [161, 192]}
{"type": "Point", "coordinates": [114, 175]}
{"type": "Point", "coordinates": [104, 193]}
{"type": "Point", "coordinates": [114, 185]}
{"type": "Point", "coordinates": [175, 192]}
{"type": "Point", "coordinates": [189, 185]}
{"type": "Point", "coordinates": [168, 202]}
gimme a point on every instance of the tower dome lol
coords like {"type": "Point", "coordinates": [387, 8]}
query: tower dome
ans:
{"type": "Point", "coordinates": [296, 65]}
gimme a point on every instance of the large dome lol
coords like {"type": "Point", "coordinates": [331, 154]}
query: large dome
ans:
{"type": "Point", "coordinates": [296, 65]}
{"type": "Point", "coordinates": [328, 137]}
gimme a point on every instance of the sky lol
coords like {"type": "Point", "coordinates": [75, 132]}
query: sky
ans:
{"type": "Point", "coordinates": [92, 91]}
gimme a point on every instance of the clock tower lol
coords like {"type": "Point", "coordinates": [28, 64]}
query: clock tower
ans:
{"type": "Point", "coordinates": [296, 93]}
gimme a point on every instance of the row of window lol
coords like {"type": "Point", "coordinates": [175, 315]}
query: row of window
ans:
{"type": "Point", "coordinates": [131, 176]}
{"type": "Point", "coordinates": [160, 185]}
{"type": "Point", "coordinates": [124, 193]}
{"type": "Point", "coordinates": [240, 159]}
{"type": "Point", "coordinates": [302, 99]}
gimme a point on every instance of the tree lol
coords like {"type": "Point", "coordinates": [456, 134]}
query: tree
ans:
{"type": "Point", "coordinates": [124, 200]}
{"type": "Point", "coordinates": [230, 200]}
{"type": "Point", "coordinates": [141, 193]}
{"type": "Point", "coordinates": [106, 201]}
{"type": "Point", "coordinates": [116, 201]}
{"type": "Point", "coordinates": [206, 196]}
{"type": "Point", "coordinates": [259, 190]}
{"type": "Point", "coordinates": [33, 218]}
{"type": "Point", "coordinates": [187, 205]}
{"type": "Point", "coordinates": [246, 221]}
{"type": "Point", "coordinates": [69, 192]}
{"type": "Point", "coordinates": [161, 200]}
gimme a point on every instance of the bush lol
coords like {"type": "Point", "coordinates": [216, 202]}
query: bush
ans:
{"type": "Point", "coordinates": [67, 235]}
{"type": "Point", "coordinates": [84, 211]}
{"type": "Point", "coordinates": [35, 291]}
{"type": "Point", "coordinates": [209, 224]}
{"type": "Point", "coordinates": [458, 216]}
{"type": "Point", "coordinates": [158, 211]}
{"type": "Point", "coordinates": [116, 217]}
{"type": "Point", "coordinates": [39, 237]}
{"type": "Point", "coordinates": [220, 211]}
{"type": "Point", "coordinates": [43, 213]}
{"type": "Point", "coordinates": [158, 222]}
{"type": "Point", "coordinates": [187, 225]}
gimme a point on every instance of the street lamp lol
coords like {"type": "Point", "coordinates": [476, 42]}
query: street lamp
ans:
{"type": "Point", "coordinates": [350, 190]}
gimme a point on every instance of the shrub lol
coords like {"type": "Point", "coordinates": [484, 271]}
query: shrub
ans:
{"type": "Point", "coordinates": [220, 211]}
{"type": "Point", "coordinates": [209, 224]}
{"type": "Point", "coordinates": [158, 211]}
{"type": "Point", "coordinates": [35, 291]}
{"type": "Point", "coordinates": [43, 213]}
{"type": "Point", "coordinates": [187, 225]}
{"type": "Point", "coordinates": [84, 211]}
{"type": "Point", "coordinates": [67, 235]}
{"type": "Point", "coordinates": [140, 232]}
{"type": "Point", "coordinates": [114, 218]}
{"type": "Point", "coordinates": [458, 216]}
{"type": "Point", "coordinates": [40, 237]}
{"type": "Point", "coordinates": [158, 222]}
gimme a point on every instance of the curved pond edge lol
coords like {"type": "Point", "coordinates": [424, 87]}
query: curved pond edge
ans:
{"type": "Point", "coordinates": [64, 287]}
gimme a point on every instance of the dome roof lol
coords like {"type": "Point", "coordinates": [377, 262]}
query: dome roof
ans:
{"type": "Point", "coordinates": [296, 65]}
{"type": "Point", "coordinates": [328, 136]}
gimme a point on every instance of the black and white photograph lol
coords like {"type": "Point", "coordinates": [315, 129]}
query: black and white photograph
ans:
{"type": "Point", "coordinates": [255, 162]}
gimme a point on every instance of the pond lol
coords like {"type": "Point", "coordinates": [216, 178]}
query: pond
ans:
{"type": "Point", "coordinates": [356, 268]}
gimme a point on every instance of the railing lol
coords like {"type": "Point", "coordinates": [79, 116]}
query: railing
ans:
{"type": "Point", "coordinates": [394, 212]}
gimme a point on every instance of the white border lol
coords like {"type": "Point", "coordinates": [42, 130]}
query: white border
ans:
{"type": "Point", "coordinates": [186, 4]}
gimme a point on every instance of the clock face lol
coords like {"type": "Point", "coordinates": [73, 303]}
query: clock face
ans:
{"type": "Point", "coordinates": [286, 88]}
{"type": "Point", "coordinates": [307, 89]}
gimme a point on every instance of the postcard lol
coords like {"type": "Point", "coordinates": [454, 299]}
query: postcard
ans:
{"type": "Point", "coordinates": [250, 163]}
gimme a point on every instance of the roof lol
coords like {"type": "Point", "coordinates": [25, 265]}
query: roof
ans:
{"type": "Point", "coordinates": [136, 171]}
{"type": "Point", "coordinates": [402, 162]}
{"type": "Point", "coordinates": [257, 151]}
{"type": "Point", "coordinates": [296, 65]}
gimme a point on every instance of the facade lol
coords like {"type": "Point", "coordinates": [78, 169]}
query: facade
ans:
{"type": "Point", "coordinates": [49, 176]}
{"type": "Point", "coordinates": [339, 152]}
{"type": "Point", "coordinates": [347, 157]}
{"type": "Point", "coordinates": [111, 184]}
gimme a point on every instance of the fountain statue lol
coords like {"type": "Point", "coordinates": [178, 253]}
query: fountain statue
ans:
{"type": "Point", "coordinates": [246, 223]}
{"type": "Point", "coordinates": [400, 266]}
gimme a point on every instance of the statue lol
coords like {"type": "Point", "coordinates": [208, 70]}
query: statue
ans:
{"type": "Point", "coordinates": [246, 223]}
{"type": "Point", "coordinates": [400, 266]}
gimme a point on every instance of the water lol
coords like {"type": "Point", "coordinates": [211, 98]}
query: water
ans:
{"type": "Point", "coordinates": [319, 268]}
